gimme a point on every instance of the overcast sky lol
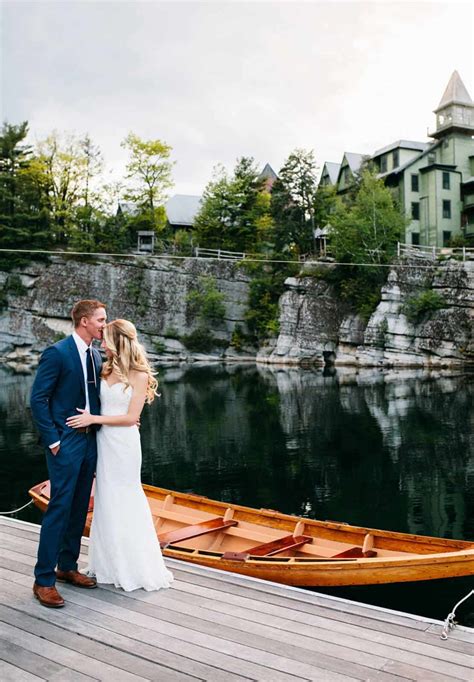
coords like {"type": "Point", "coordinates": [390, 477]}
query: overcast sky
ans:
{"type": "Point", "coordinates": [219, 80]}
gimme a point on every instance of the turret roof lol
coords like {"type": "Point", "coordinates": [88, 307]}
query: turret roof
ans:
{"type": "Point", "coordinates": [268, 173]}
{"type": "Point", "coordinates": [455, 93]}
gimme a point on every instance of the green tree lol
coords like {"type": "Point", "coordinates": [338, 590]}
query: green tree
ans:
{"type": "Point", "coordinates": [292, 204]}
{"type": "Point", "coordinates": [149, 175]}
{"type": "Point", "coordinates": [365, 233]}
{"type": "Point", "coordinates": [234, 211]}
{"type": "Point", "coordinates": [23, 223]}
{"type": "Point", "coordinates": [368, 231]}
{"type": "Point", "coordinates": [213, 223]}
{"type": "Point", "coordinates": [61, 171]}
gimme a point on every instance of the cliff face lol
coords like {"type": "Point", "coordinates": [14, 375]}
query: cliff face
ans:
{"type": "Point", "coordinates": [153, 294]}
{"type": "Point", "coordinates": [315, 324]}
{"type": "Point", "coordinates": [316, 327]}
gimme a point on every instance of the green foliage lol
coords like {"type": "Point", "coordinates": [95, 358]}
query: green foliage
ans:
{"type": "Point", "coordinates": [423, 305]}
{"type": "Point", "coordinates": [369, 229]}
{"type": "Point", "coordinates": [13, 286]}
{"type": "Point", "coordinates": [205, 301]}
{"type": "Point", "coordinates": [202, 341]}
{"type": "Point", "coordinates": [292, 202]}
{"type": "Point", "coordinates": [239, 339]}
{"type": "Point", "coordinates": [148, 172]}
{"type": "Point", "coordinates": [138, 293]}
{"type": "Point", "coordinates": [365, 231]}
{"type": "Point", "coordinates": [234, 213]}
{"type": "Point", "coordinates": [266, 287]}
{"type": "Point", "coordinates": [24, 221]}
{"type": "Point", "coordinates": [382, 330]}
{"type": "Point", "coordinates": [171, 333]}
{"type": "Point", "coordinates": [159, 347]}
{"type": "Point", "coordinates": [59, 336]}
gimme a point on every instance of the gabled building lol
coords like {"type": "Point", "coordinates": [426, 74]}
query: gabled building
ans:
{"type": "Point", "coordinates": [181, 210]}
{"type": "Point", "coordinates": [348, 171]}
{"type": "Point", "coordinates": [329, 174]}
{"type": "Point", "coordinates": [433, 181]}
{"type": "Point", "coordinates": [268, 176]}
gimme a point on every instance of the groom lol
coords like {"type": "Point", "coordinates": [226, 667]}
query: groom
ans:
{"type": "Point", "coordinates": [67, 378]}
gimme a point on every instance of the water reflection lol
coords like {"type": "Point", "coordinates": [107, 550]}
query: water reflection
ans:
{"type": "Point", "coordinates": [390, 450]}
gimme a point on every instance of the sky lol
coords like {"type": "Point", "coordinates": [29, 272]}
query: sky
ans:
{"type": "Point", "coordinates": [224, 79]}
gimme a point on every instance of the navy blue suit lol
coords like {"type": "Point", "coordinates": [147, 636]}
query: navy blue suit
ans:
{"type": "Point", "coordinates": [57, 391]}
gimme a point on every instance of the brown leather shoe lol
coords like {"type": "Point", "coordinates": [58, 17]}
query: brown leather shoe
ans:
{"type": "Point", "coordinates": [77, 579]}
{"type": "Point", "coordinates": [48, 596]}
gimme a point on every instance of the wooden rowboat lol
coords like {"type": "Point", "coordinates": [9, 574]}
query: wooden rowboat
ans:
{"type": "Point", "coordinates": [266, 544]}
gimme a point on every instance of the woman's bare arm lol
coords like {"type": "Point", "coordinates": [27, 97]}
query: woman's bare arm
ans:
{"type": "Point", "coordinates": [139, 383]}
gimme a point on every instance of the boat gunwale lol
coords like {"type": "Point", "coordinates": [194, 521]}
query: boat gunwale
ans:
{"type": "Point", "coordinates": [454, 546]}
{"type": "Point", "coordinates": [460, 545]}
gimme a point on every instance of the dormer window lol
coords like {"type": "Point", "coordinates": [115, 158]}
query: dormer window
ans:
{"type": "Point", "coordinates": [396, 158]}
{"type": "Point", "coordinates": [383, 164]}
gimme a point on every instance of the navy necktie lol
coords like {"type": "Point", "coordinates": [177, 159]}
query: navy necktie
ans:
{"type": "Point", "coordinates": [91, 384]}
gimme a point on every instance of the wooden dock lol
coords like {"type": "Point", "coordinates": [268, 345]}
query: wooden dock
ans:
{"type": "Point", "coordinates": [210, 626]}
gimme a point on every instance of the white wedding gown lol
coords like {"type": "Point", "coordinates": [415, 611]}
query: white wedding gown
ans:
{"type": "Point", "coordinates": [124, 549]}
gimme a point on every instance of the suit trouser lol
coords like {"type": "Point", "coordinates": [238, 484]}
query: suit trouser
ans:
{"type": "Point", "coordinates": [71, 473]}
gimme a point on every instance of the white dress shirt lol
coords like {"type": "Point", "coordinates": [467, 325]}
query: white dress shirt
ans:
{"type": "Point", "coordinates": [81, 348]}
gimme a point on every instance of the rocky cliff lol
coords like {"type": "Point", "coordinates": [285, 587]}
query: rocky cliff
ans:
{"type": "Point", "coordinates": [153, 293]}
{"type": "Point", "coordinates": [316, 326]}
{"type": "Point", "coordinates": [407, 328]}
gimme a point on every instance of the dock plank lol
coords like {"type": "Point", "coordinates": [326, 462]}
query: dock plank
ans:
{"type": "Point", "coordinates": [10, 673]}
{"type": "Point", "coordinates": [210, 625]}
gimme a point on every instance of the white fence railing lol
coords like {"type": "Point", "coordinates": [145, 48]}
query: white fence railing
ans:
{"type": "Point", "coordinates": [219, 253]}
{"type": "Point", "coordinates": [432, 252]}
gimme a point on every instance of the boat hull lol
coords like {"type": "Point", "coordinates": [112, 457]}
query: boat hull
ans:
{"type": "Point", "coordinates": [425, 558]}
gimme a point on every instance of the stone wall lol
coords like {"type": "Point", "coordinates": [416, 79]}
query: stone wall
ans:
{"type": "Point", "coordinates": [151, 293]}
{"type": "Point", "coordinates": [317, 327]}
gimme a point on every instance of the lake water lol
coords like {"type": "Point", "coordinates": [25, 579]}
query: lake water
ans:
{"type": "Point", "coordinates": [386, 450]}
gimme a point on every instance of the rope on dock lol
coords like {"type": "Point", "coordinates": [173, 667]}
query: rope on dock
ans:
{"type": "Point", "coordinates": [450, 623]}
{"type": "Point", "coordinates": [14, 511]}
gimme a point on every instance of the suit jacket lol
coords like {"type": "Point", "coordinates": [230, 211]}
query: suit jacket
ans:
{"type": "Point", "coordinates": [59, 388]}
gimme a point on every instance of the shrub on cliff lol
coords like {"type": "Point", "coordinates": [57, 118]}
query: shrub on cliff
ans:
{"type": "Point", "coordinates": [364, 234]}
{"type": "Point", "coordinates": [423, 305]}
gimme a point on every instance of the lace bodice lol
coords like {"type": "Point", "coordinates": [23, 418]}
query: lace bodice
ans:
{"type": "Point", "coordinates": [114, 399]}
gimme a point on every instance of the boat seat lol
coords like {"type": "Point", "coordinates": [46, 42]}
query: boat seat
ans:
{"type": "Point", "coordinates": [365, 552]}
{"type": "Point", "coordinates": [270, 548]}
{"type": "Point", "coordinates": [172, 537]}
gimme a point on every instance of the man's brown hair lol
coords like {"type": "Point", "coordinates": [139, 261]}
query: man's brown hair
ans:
{"type": "Point", "coordinates": [85, 308]}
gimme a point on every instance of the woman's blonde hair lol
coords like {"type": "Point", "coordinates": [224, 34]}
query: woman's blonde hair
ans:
{"type": "Point", "coordinates": [128, 354]}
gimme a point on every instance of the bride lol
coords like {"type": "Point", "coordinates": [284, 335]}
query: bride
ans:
{"type": "Point", "coordinates": [124, 549]}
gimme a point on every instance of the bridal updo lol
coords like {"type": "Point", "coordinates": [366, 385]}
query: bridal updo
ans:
{"type": "Point", "coordinates": [127, 354]}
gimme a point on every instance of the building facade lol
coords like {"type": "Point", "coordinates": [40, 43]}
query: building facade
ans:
{"type": "Point", "coordinates": [433, 181]}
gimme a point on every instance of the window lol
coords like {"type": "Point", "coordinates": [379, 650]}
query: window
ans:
{"type": "Point", "coordinates": [446, 180]}
{"type": "Point", "coordinates": [431, 157]}
{"type": "Point", "coordinates": [396, 158]}
{"type": "Point", "coordinates": [446, 237]}
{"type": "Point", "coordinates": [446, 208]}
{"type": "Point", "coordinates": [383, 164]}
{"type": "Point", "coordinates": [415, 238]}
{"type": "Point", "coordinates": [415, 184]}
{"type": "Point", "coordinates": [415, 210]}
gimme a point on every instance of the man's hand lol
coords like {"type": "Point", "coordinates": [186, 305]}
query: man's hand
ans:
{"type": "Point", "coordinates": [55, 450]}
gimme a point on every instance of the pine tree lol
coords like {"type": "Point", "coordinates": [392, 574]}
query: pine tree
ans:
{"type": "Point", "coordinates": [24, 223]}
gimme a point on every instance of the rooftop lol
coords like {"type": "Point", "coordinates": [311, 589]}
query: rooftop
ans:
{"type": "Point", "coordinates": [402, 144]}
{"type": "Point", "coordinates": [455, 93]}
{"type": "Point", "coordinates": [181, 209]}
